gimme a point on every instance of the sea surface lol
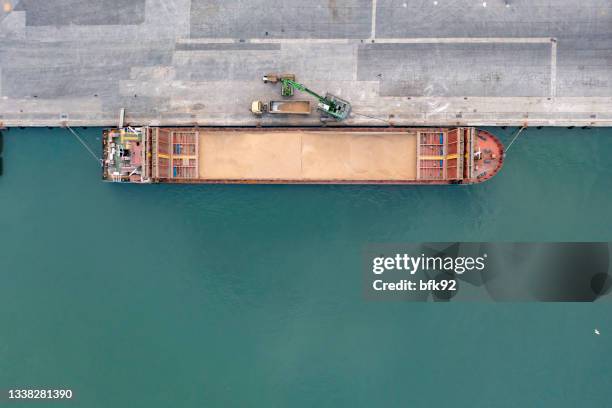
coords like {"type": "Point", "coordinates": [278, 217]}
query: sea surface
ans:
{"type": "Point", "coordinates": [251, 296]}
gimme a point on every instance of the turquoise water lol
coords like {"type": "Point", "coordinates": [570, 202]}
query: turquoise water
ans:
{"type": "Point", "coordinates": [250, 296]}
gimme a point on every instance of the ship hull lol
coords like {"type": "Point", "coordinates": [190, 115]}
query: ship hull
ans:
{"type": "Point", "coordinates": [402, 156]}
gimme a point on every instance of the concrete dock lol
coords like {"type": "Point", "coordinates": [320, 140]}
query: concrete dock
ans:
{"type": "Point", "coordinates": [407, 62]}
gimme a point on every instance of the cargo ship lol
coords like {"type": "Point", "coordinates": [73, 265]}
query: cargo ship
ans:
{"type": "Point", "coordinates": [321, 155]}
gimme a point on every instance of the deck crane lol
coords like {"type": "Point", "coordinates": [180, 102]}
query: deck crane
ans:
{"type": "Point", "coordinates": [331, 105]}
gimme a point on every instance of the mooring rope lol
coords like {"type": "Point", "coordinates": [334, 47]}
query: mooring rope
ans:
{"type": "Point", "coordinates": [371, 117]}
{"type": "Point", "coordinates": [513, 139]}
{"type": "Point", "coordinates": [98, 159]}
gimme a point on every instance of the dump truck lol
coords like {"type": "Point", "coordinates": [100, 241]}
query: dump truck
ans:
{"type": "Point", "coordinates": [284, 107]}
{"type": "Point", "coordinates": [329, 104]}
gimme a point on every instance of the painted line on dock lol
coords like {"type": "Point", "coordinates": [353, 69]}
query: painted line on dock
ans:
{"type": "Point", "coordinates": [553, 68]}
{"type": "Point", "coordinates": [373, 31]}
{"type": "Point", "coordinates": [207, 40]}
{"type": "Point", "coordinates": [300, 40]}
{"type": "Point", "coordinates": [265, 40]}
{"type": "Point", "coordinates": [424, 40]}
{"type": "Point", "coordinates": [466, 40]}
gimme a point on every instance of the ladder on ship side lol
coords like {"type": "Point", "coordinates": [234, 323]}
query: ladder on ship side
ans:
{"type": "Point", "coordinates": [154, 154]}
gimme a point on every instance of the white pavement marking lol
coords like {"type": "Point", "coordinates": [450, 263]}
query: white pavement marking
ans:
{"type": "Point", "coordinates": [206, 40]}
{"type": "Point", "coordinates": [433, 40]}
{"type": "Point", "coordinates": [355, 64]}
{"type": "Point", "coordinates": [466, 40]}
{"type": "Point", "coordinates": [263, 41]}
{"type": "Point", "coordinates": [553, 68]}
{"type": "Point", "coordinates": [298, 41]}
{"type": "Point", "coordinates": [373, 32]}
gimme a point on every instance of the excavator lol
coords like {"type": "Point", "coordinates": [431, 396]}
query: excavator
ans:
{"type": "Point", "coordinates": [329, 104]}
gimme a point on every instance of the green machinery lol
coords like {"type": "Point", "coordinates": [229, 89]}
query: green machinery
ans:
{"type": "Point", "coordinates": [331, 105]}
{"type": "Point", "coordinates": [286, 90]}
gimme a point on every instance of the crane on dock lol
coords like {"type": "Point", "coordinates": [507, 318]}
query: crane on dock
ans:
{"type": "Point", "coordinates": [329, 104]}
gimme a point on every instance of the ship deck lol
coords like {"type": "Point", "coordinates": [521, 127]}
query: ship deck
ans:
{"type": "Point", "coordinates": [307, 155]}
{"type": "Point", "coordinates": [301, 155]}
